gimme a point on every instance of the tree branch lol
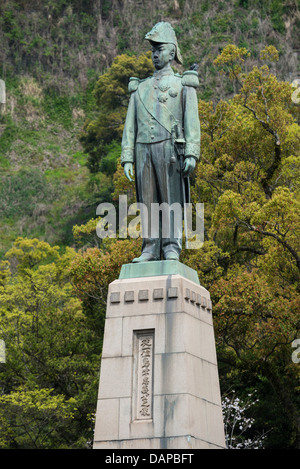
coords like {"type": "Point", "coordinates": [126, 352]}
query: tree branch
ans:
{"type": "Point", "coordinates": [260, 252]}
{"type": "Point", "coordinates": [263, 123]}
{"type": "Point", "coordinates": [275, 236]}
{"type": "Point", "coordinates": [277, 150]}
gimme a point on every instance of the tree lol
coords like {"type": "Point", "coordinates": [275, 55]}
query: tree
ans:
{"type": "Point", "coordinates": [52, 351]}
{"type": "Point", "coordinates": [248, 179]}
{"type": "Point", "coordinates": [111, 92]}
{"type": "Point", "coordinates": [33, 419]}
{"type": "Point", "coordinates": [94, 269]}
{"type": "Point", "coordinates": [237, 423]}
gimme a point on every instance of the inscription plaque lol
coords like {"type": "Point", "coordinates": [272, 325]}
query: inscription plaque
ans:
{"type": "Point", "coordinates": [143, 374]}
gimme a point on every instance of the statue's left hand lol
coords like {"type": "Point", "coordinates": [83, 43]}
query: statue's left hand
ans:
{"type": "Point", "coordinates": [128, 171]}
{"type": "Point", "coordinates": [189, 165]}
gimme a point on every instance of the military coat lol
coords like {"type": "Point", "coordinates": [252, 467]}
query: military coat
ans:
{"type": "Point", "coordinates": [156, 104]}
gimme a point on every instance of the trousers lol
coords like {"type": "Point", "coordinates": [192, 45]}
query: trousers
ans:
{"type": "Point", "coordinates": [159, 188]}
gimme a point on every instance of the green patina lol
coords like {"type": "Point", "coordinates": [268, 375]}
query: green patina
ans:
{"type": "Point", "coordinates": [157, 268]}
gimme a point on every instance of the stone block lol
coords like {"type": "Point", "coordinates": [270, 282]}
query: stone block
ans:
{"type": "Point", "coordinates": [158, 293]}
{"type": "Point", "coordinates": [172, 292]}
{"type": "Point", "coordinates": [115, 297]}
{"type": "Point", "coordinates": [129, 296]}
{"type": "Point", "coordinates": [115, 377]}
{"type": "Point", "coordinates": [112, 341]}
{"type": "Point", "coordinates": [143, 295]}
{"type": "Point", "coordinates": [107, 425]}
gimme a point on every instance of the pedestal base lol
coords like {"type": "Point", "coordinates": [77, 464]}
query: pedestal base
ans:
{"type": "Point", "coordinates": [159, 385]}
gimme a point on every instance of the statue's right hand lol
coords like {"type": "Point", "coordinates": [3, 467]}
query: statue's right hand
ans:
{"type": "Point", "coordinates": [128, 171]}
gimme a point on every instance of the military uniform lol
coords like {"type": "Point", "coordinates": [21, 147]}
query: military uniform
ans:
{"type": "Point", "coordinates": [161, 128]}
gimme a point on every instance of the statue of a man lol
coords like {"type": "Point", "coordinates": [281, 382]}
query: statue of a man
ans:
{"type": "Point", "coordinates": [162, 139]}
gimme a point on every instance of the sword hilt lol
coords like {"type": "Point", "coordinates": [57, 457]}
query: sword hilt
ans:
{"type": "Point", "coordinates": [174, 135]}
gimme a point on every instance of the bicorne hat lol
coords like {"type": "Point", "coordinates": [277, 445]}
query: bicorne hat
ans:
{"type": "Point", "coordinates": [163, 32]}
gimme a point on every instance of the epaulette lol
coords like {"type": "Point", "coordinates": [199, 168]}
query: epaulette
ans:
{"type": "Point", "coordinates": [190, 78]}
{"type": "Point", "coordinates": [133, 84]}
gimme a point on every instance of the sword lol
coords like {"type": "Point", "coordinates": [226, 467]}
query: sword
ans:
{"type": "Point", "coordinates": [178, 147]}
{"type": "Point", "coordinates": [174, 132]}
{"type": "Point", "coordinates": [184, 201]}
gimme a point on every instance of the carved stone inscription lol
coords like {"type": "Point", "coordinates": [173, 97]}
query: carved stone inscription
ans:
{"type": "Point", "coordinates": [144, 374]}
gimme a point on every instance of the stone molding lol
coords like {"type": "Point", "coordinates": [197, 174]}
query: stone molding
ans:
{"type": "Point", "coordinates": [159, 294]}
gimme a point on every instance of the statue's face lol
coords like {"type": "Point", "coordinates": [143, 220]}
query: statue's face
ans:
{"type": "Point", "coordinates": [162, 54]}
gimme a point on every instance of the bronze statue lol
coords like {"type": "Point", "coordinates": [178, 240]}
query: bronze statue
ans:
{"type": "Point", "coordinates": [162, 138]}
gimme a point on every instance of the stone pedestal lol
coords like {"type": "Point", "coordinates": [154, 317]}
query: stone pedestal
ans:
{"type": "Point", "coordinates": [159, 385]}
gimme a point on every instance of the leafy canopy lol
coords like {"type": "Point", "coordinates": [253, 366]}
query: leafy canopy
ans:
{"type": "Point", "coordinates": [111, 93]}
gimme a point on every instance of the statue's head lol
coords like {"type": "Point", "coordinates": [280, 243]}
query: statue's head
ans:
{"type": "Point", "coordinates": [163, 33]}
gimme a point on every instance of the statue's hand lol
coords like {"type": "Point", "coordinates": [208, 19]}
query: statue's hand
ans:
{"type": "Point", "coordinates": [128, 171]}
{"type": "Point", "coordinates": [189, 165]}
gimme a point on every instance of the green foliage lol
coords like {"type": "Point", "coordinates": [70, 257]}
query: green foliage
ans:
{"type": "Point", "coordinates": [51, 57]}
{"type": "Point", "coordinates": [112, 96]}
{"type": "Point", "coordinates": [44, 184]}
{"type": "Point", "coordinates": [26, 416]}
{"type": "Point", "coordinates": [109, 161]}
{"type": "Point", "coordinates": [56, 26]}
{"type": "Point", "coordinates": [21, 191]}
{"type": "Point", "coordinates": [221, 23]}
{"type": "Point", "coordinates": [59, 108]}
{"type": "Point", "coordinates": [250, 261]}
{"type": "Point", "coordinates": [52, 351]}
{"type": "Point", "coordinates": [232, 57]}
{"type": "Point", "coordinates": [8, 136]}
{"type": "Point", "coordinates": [277, 12]}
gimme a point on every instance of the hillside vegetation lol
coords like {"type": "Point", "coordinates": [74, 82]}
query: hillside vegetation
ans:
{"type": "Point", "coordinates": [51, 56]}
